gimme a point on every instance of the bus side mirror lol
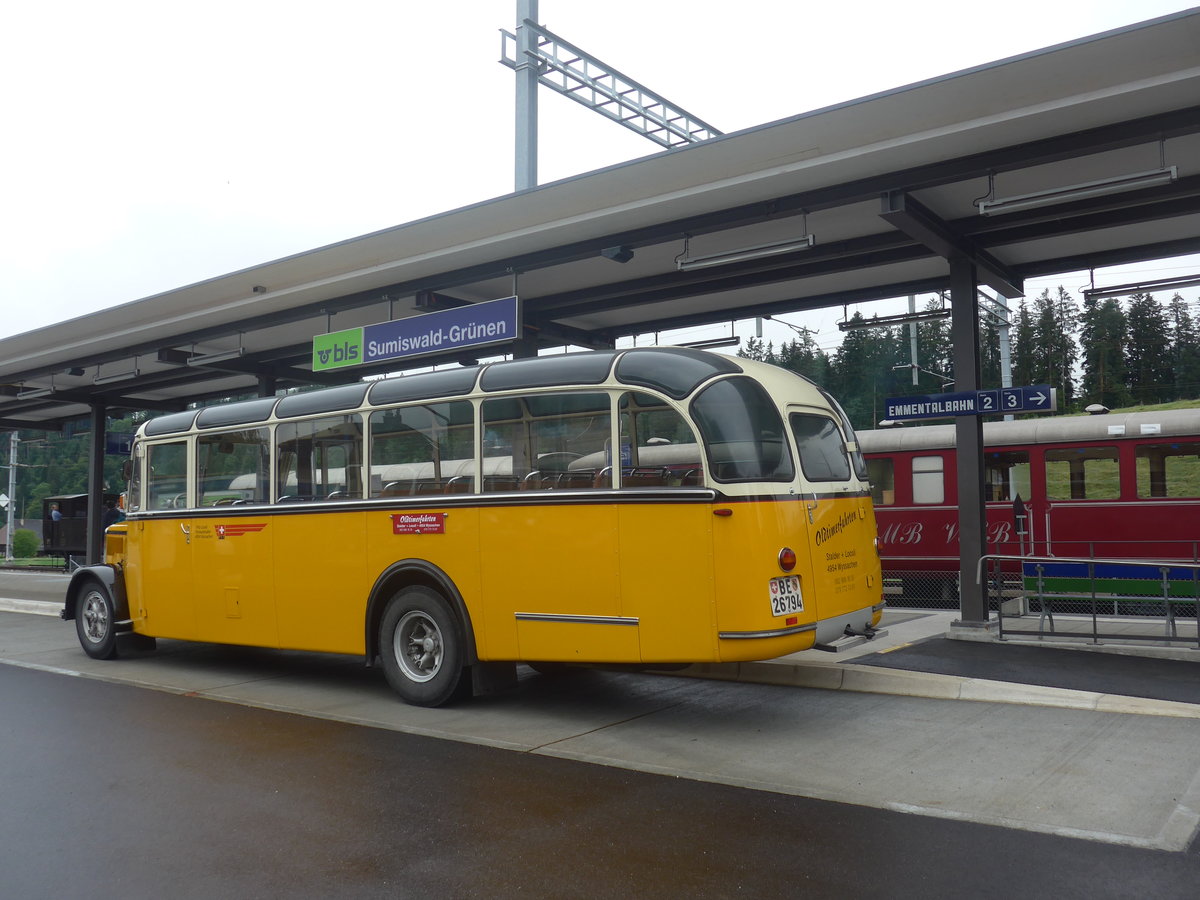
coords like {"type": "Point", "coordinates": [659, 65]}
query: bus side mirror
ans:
{"type": "Point", "coordinates": [127, 469]}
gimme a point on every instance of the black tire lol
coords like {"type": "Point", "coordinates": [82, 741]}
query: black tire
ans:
{"type": "Point", "coordinates": [95, 621]}
{"type": "Point", "coordinates": [421, 644]}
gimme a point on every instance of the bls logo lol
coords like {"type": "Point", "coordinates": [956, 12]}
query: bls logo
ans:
{"type": "Point", "coordinates": [339, 354]}
{"type": "Point", "coordinates": [341, 348]}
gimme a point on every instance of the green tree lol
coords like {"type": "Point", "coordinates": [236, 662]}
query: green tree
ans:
{"type": "Point", "coordinates": [1055, 320]}
{"type": "Point", "coordinates": [1148, 354]}
{"type": "Point", "coordinates": [1103, 337]}
{"type": "Point", "coordinates": [802, 355]}
{"type": "Point", "coordinates": [862, 373]}
{"type": "Point", "coordinates": [1024, 341]}
{"type": "Point", "coordinates": [1185, 349]}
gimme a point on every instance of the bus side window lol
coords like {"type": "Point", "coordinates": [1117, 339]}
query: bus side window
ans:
{"type": "Point", "coordinates": [881, 473]}
{"type": "Point", "coordinates": [928, 480]}
{"type": "Point", "coordinates": [426, 449]}
{"type": "Point", "coordinates": [1168, 470]}
{"type": "Point", "coordinates": [232, 466]}
{"type": "Point", "coordinates": [548, 441]}
{"type": "Point", "coordinates": [319, 459]}
{"type": "Point", "coordinates": [133, 496]}
{"type": "Point", "coordinates": [658, 447]}
{"type": "Point", "coordinates": [166, 479]}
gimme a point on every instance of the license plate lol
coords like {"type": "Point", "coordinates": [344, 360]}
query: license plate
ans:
{"type": "Point", "coordinates": [785, 595]}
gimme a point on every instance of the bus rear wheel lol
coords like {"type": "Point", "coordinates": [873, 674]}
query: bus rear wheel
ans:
{"type": "Point", "coordinates": [95, 621]}
{"type": "Point", "coordinates": [421, 648]}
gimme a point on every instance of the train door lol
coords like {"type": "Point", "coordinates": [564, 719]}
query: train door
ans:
{"type": "Point", "coordinates": [1012, 511]}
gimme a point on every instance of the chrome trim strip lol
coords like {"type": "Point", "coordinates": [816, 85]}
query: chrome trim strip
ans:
{"type": "Point", "coordinates": [879, 607]}
{"type": "Point", "coordinates": [756, 635]}
{"type": "Point", "coordinates": [577, 620]}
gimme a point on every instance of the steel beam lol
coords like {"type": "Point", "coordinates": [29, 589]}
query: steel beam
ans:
{"type": "Point", "coordinates": [968, 435]}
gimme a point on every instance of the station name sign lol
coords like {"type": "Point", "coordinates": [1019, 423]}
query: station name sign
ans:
{"type": "Point", "coordinates": [1000, 401]}
{"type": "Point", "coordinates": [465, 327]}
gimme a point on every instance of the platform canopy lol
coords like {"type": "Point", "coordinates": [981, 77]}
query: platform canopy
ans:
{"type": "Point", "coordinates": [889, 187]}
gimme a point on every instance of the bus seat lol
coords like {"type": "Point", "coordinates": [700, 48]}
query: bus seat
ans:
{"type": "Point", "coordinates": [499, 483]}
{"type": "Point", "coordinates": [574, 481]}
{"type": "Point", "coordinates": [603, 478]}
{"type": "Point", "coordinates": [643, 477]}
{"type": "Point", "coordinates": [460, 484]}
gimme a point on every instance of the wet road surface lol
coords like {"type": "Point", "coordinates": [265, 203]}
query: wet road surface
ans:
{"type": "Point", "coordinates": [116, 791]}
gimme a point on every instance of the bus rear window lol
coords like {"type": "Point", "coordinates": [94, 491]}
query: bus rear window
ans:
{"type": "Point", "coordinates": [743, 431]}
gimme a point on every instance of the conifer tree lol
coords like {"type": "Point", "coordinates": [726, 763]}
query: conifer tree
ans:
{"type": "Point", "coordinates": [1103, 339]}
{"type": "Point", "coordinates": [1148, 353]}
{"type": "Point", "coordinates": [1185, 349]}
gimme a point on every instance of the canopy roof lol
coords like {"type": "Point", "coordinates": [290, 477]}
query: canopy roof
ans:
{"type": "Point", "coordinates": [888, 186]}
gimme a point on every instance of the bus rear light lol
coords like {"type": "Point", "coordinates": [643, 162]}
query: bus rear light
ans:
{"type": "Point", "coordinates": [787, 559]}
{"type": "Point", "coordinates": [791, 620]}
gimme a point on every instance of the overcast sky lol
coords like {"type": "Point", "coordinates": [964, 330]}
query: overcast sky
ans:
{"type": "Point", "coordinates": [149, 145]}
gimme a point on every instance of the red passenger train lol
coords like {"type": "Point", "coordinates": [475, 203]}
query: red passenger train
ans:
{"type": "Point", "coordinates": [1108, 486]}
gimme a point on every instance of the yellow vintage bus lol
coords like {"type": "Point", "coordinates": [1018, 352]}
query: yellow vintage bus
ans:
{"type": "Point", "coordinates": [644, 506]}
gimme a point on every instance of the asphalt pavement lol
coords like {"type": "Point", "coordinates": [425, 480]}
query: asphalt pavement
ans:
{"type": "Point", "coordinates": [911, 722]}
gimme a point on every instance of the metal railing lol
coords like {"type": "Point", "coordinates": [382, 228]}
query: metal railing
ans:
{"type": "Point", "coordinates": [1115, 595]}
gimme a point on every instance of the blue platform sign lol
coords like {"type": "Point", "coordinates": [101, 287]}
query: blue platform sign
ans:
{"type": "Point", "coordinates": [465, 327]}
{"type": "Point", "coordinates": [1001, 401]}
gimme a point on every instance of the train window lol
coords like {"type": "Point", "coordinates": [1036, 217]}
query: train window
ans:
{"type": "Point", "coordinates": [166, 479]}
{"type": "Point", "coordinates": [1083, 473]}
{"type": "Point", "coordinates": [1168, 470]}
{"type": "Point", "coordinates": [882, 475]}
{"type": "Point", "coordinates": [1006, 474]}
{"type": "Point", "coordinates": [232, 466]}
{"type": "Point", "coordinates": [928, 482]}
{"type": "Point", "coordinates": [822, 450]}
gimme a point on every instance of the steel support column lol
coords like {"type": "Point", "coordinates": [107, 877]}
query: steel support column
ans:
{"type": "Point", "coordinates": [527, 97]}
{"type": "Point", "coordinates": [968, 433]}
{"type": "Point", "coordinates": [95, 519]}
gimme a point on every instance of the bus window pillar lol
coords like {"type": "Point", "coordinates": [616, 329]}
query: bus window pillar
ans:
{"type": "Point", "coordinates": [968, 433]}
{"type": "Point", "coordinates": [95, 509]}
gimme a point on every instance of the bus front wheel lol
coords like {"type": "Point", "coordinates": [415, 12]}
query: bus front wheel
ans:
{"type": "Point", "coordinates": [95, 622]}
{"type": "Point", "coordinates": [421, 648]}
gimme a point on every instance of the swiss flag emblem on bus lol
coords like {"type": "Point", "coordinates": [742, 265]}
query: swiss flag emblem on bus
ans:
{"type": "Point", "coordinates": [237, 529]}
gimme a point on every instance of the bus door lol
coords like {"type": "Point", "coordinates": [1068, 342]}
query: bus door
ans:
{"type": "Point", "coordinates": [231, 542]}
{"type": "Point", "coordinates": [158, 571]}
{"type": "Point", "coordinates": [838, 516]}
